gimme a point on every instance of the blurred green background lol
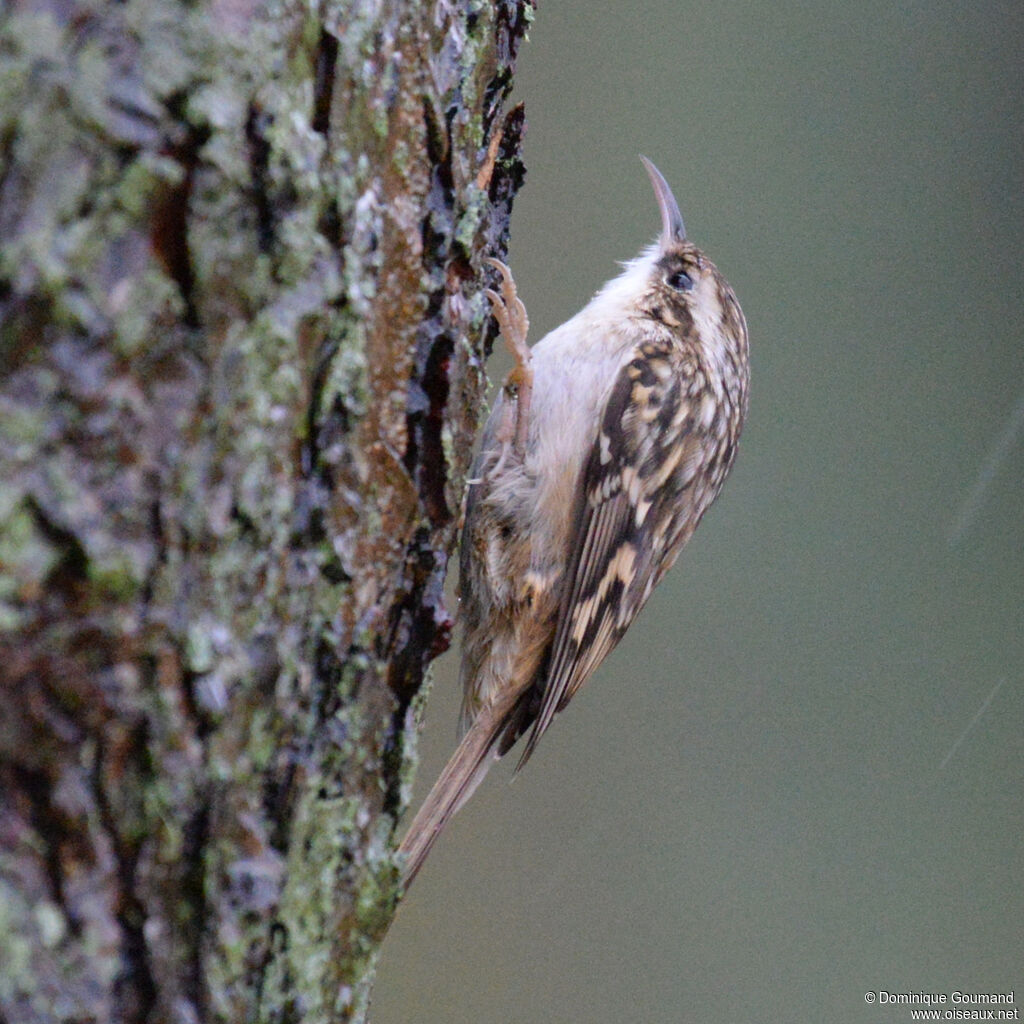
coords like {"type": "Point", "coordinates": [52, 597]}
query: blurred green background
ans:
{"type": "Point", "coordinates": [801, 775]}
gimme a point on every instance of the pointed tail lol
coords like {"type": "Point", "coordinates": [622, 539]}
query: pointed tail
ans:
{"type": "Point", "coordinates": [462, 774]}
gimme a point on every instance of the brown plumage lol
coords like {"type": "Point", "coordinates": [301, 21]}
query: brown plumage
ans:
{"type": "Point", "coordinates": [608, 443]}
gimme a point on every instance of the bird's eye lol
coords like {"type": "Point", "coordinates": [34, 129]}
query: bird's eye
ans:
{"type": "Point", "coordinates": [680, 280]}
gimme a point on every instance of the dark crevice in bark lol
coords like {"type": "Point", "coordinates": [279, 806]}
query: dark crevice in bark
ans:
{"type": "Point", "coordinates": [247, 529]}
{"type": "Point", "coordinates": [505, 183]}
{"type": "Point", "coordinates": [428, 389]}
{"type": "Point", "coordinates": [425, 456]}
{"type": "Point", "coordinates": [278, 790]}
{"type": "Point", "coordinates": [438, 223]}
{"type": "Point", "coordinates": [169, 225]}
{"type": "Point", "coordinates": [324, 62]}
{"type": "Point", "coordinates": [52, 828]}
{"type": "Point", "coordinates": [328, 670]}
{"type": "Point", "coordinates": [256, 126]}
{"type": "Point", "coordinates": [323, 430]}
{"type": "Point", "coordinates": [27, 327]}
{"type": "Point", "coordinates": [72, 569]}
{"type": "Point", "coordinates": [336, 422]}
{"type": "Point", "coordinates": [277, 947]}
{"type": "Point", "coordinates": [196, 707]}
{"type": "Point", "coordinates": [330, 227]}
{"type": "Point", "coordinates": [6, 165]}
{"type": "Point", "coordinates": [194, 904]}
{"type": "Point", "coordinates": [420, 626]}
{"type": "Point", "coordinates": [135, 988]}
{"type": "Point", "coordinates": [156, 531]}
{"type": "Point", "coordinates": [420, 631]}
{"type": "Point", "coordinates": [510, 31]}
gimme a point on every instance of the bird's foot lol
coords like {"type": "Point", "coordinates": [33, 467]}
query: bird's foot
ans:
{"type": "Point", "coordinates": [510, 313]}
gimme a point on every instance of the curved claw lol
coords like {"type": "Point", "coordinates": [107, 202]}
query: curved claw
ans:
{"type": "Point", "coordinates": [509, 310]}
{"type": "Point", "coordinates": [510, 313]}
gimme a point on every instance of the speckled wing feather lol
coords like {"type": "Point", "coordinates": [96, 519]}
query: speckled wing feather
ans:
{"type": "Point", "coordinates": [629, 510]}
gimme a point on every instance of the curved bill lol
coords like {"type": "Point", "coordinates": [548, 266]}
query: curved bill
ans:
{"type": "Point", "coordinates": [672, 227]}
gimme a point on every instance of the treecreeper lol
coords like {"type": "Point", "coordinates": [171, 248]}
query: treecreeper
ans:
{"type": "Point", "coordinates": [607, 444]}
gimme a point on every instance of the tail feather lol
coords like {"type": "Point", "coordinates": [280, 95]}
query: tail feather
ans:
{"type": "Point", "coordinates": [463, 773]}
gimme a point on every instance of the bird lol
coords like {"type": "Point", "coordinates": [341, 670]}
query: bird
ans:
{"type": "Point", "coordinates": [606, 445]}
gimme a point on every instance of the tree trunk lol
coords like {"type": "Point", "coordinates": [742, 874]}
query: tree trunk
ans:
{"type": "Point", "coordinates": [241, 367]}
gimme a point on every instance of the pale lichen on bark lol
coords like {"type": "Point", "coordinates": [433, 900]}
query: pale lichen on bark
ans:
{"type": "Point", "coordinates": [242, 364]}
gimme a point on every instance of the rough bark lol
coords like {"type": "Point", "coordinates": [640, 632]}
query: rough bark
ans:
{"type": "Point", "coordinates": [240, 372]}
